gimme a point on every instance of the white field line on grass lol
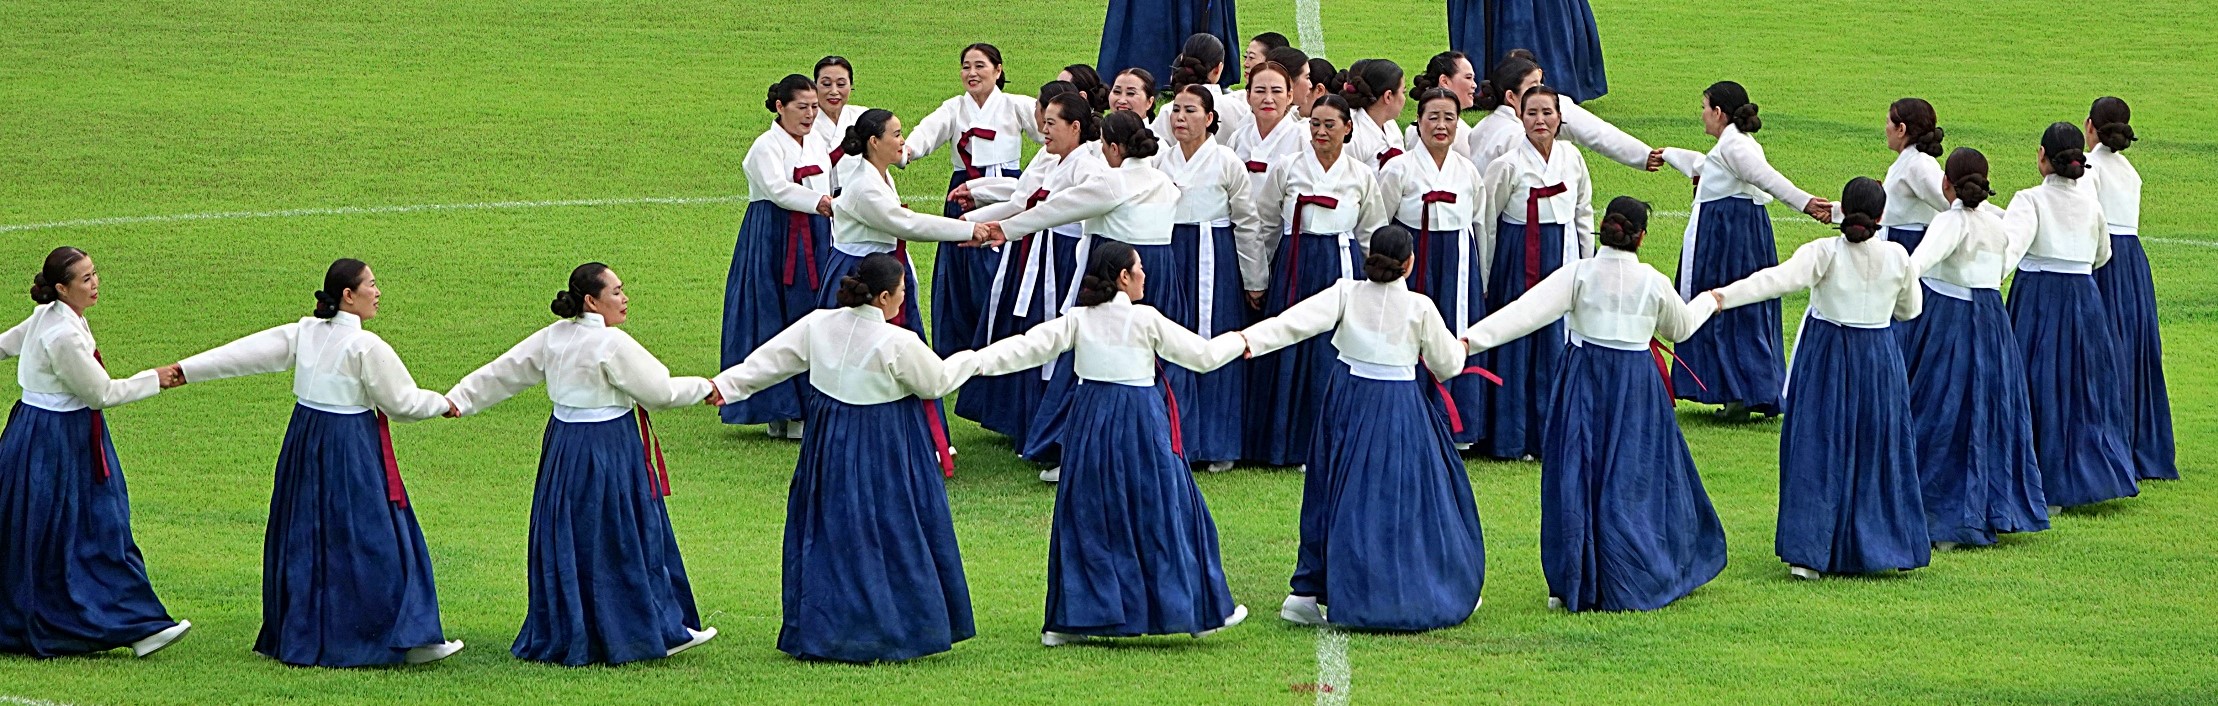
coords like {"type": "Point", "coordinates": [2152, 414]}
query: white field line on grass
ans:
{"type": "Point", "coordinates": [632, 201]}
{"type": "Point", "coordinates": [1332, 667]}
{"type": "Point", "coordinates": [20, 701]}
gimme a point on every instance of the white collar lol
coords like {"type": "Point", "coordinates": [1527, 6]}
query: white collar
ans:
{"type": "Point", "coordinates": [1611, 253]}
{"type": "Point", "coordinates": [591, 320]}
{"type": "Point", "coordinates": [346, 319]}
{"type": "Point", "coordinates": [868, 311]}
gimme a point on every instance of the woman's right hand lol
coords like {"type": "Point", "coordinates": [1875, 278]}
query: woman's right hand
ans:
{"type": "Point", "coordinates": [1255, 300]}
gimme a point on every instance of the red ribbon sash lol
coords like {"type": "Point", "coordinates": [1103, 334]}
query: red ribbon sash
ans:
{"type": "Point", "coordinates": [658, 470]}
{"type": "Point", "coordinates": [99, 433]}
{"type": "Point", "coordinates": [1532, 230]}
{"type": "Point", "coordinates": [962, 149]}
{"type": "Point", "coordinates": [1294, 239]}
{"type": "Point", "coordinates": [837, 155]}
{"type": "Point", "coordinates": [1258, 167]}
{"type": "Point", "coordinates": [1657, 350]}
{"type": "Point", "coordinates": [395, 492]}
{"type": "Point", "coordinates": [798, 237]}
{"type": "Point", "coordinates": [1390, 153]}
{"type": "Point", "coordinates": [940, 445]}
{"type": "Point", "coordinates": [1424, 234]}
{"type": "Point", "coordinates": [1448, 401]}
{"type": "Point", "coordinates": [1170, 402]}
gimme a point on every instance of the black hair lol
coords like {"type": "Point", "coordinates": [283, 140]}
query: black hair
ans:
{"type": "Point", "coordinates": [1919, 124]}
{"type": "Point", "coordinates": [1073, 108]}
{"type": "Point", "coordinates": [1321, 72]}
{"type": "Point", "coordinates": [2113, 121]}
{"type": "Point", "coordinates": [1273, 67]}
{"type": "Point", "coordinates": [783, 90]}
{"type": "Point", "coordinates": [1147, 85]}
{"type": "Point", "coordinates": [993, 56]}
{"type": "Point", "coordinates": [1623, 224]}
{"type": "Point", "coordinates": [876, 274]}
{"type": "Point", "coordinates": [831, 61]}
{"type": "Point", "coordinates": [1508, 74]}
{"type": "Point", "coordinates": [1540, 89]}
{"type": "Point", "coordinates": [1731, 98]}
{"type": "Point", "coordinates": [54, 273]}
{"type": "Point", "coordinates": [1287, 58]}
{"type": "Point", "coordinates": [1125, 129]}
{"type": "Point", "coordinates": [2064, 144]}
{"type": "Point", "coordinates": [1203, 53]}
{"type": "Point", "coordinates": [1051, 89]}
{"type": "Point", "coordinates": [585, 281]}
{"type": "Point", "coordinates": [1088, 82]}
{"type": "Point", "coordinates": [345, 273]}
{"type": "Point", "coordinates": [872, 124]}
{"type": "Point", "coordinates": [1208, 102]}
{"type": "Point", "coordinates": [1108, 261]}
{"type": "Point", "coordinates": [1862, 200]}
{"type": "Point", "coordinates": [1335, 102]}
{"type": "Point", "coordinates": [1369, 80]}
{"type": "Point", "coordinates": [1437, 94]}
{"type": "Point", "coordinates": [1439, 68]}
{"type": "Point", "coordinates": [1388, 258]}
{"type": "Point", "coordinates": [1967, 172]}
{"type": "Point", "coordinates": [1270, 41]}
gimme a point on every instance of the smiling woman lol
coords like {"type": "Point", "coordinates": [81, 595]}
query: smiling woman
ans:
{"type": "Point", "coordinates": [784, 241]}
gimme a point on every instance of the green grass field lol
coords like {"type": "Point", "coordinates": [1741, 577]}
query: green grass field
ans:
{"type": "Point", "coordinates": [122, 109]}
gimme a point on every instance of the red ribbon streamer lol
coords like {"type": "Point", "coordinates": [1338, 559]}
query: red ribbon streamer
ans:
{"type": "Point", "coordinates": [1532, 231]}
{"type": "Point", "coordinates": [798, 237]}
{"type": "Point", "coordinates": [1294, 239]}
{"type": "Point", "coordinates": [658, 470]}
{"type": "Point", "coordinates": [962, 149]}
{"type": "Point", "coordinates": [940, 444]}
{"type": "Point", "coordinates": [1170, 401]}
{"type": "Point", "coordinates": [99, 430]}
{"type": "Point", "coordinates": [1424, 234]}
{"type": "Point", "coordinates": [1657, 350]}
{"type": "Point", "coordinates": [395, 492]}
{"type": "Point", "coordinates": [1448, 401]}
{"type": "Point", "coordinates": [837, 155]}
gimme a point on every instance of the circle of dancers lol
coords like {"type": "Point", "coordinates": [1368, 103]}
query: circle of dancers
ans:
{"type": "Point", "coordinates": [1150, 295]}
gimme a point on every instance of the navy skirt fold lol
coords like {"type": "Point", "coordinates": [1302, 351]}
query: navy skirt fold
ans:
{"type": "Point", "coordinates": [1740, 355]}
{"type": "Point", "coordinates": [1624, 521]}
{"type": "Point", "coordinates": [1004, 404]}
{"type": "Point", "coordinates": [1212, 406]}
{"type": "Point", "coordinates": [346, 578]}
{"type": "Point", "coordinates": [1974, 428]}
{"type": "Point", "coordinates": [872, 572]}
{"type": "Point", "coordinates": [2130, 293]}
{"type": "Point", "coordinates": [1517, 408]}
{"type": "Point", "coordinates": [1436, 276]}
{"type": "Point", "coordinates": [2080, 425]}
{"type": "Point", "coordinates": [1849, 496]}
{"type": "Point", "coordinates": [775, 280]}
{"type": "Point", "coordinates": [1132, 549]}
{"type": "Point", "coordinates": [1390, 534]}
{"type": "Point", "coordinates": [1043, 438]}
{"type": "Point", "coordinates": [607, 584]}
{"type": "Point", "coordinates": [1286, 388]}
{"type": "Point", "coordinates": [961, 279]}
{"type": "Point", "coordinates": [71, 578]}
{"type": "Point", "coordinates": [1561, 33]}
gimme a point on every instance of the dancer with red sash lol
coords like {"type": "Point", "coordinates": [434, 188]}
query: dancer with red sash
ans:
{"type": "Point", "coordinates": [1390, 535]}
{"type": "Point", "coordinates": [777, 266]}
{"type": "Point", "coordinates": [1535, 215]}
{"type": "Point", "coordinates": [1624, 521]}
{"type": "Point", "coordinates": [71, 580]}
{"type": "Point", "coordinates": [987, 128]}
{"type": "Point", "coordinates": [346, 578]}
{"type": "Point", "coordinates": [607, 583]}
{"type": "Point", "coordinates": [1434, 192]}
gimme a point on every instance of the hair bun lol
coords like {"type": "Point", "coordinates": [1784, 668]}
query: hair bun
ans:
{"type": "Point", "coordinates": [566, 305]}
{"type": "Point", "coordinates": [1930, 142]}
{"type": "Point", "coordinates": [1858, 227]}
{"type": "Point", "coordinates": [1747, 118]}
{"type": "Point", "coordinates": [42, 291]}
{"type": "Point", "coordinates": [1972, 190]}
{"type": "Point", "coordinates": [2116, 136]}
{"type": "Point", "coordinates": [327, 306]}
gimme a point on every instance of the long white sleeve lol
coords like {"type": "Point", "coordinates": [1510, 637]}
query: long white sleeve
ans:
{"type": "Point", "coordinates": [767, 171]}
{"type": "Point", "coordinates": [993, 189]}
{"type": "Point", "coordinates": [1910, 301]}
{"type": "Point", "coordinates": [880, 210]}
{"type": "Point", "coordinates": [1031, 349]}
{"type": "Point", "coordinates": [1375, 213]}
{"type": "Point", "coordinates": [1189, 350]}
{"type": "Point", "coordinates": [783, 356]}
{"type": "Point", "coordinates": [71, 353]}
{"type": "Point", "coordinates": [517, 370]}
{"type": "Point", "coordinates": [934, 130]}
{"type": "Point", "coordinates": [636, 372]}
{"type": "Point", "coordinates": [1309, 317]}
{"type": "Point", "coordinates": [2021, 221]}
{"type": "Point", "coordinates": [1537, 307]}
{"type": "Point", "coordinates": [1496, 187]}
{"type": "Point", "coordinates": [1677, 320]}
{"type": "Point", "coordinates": [1590, 131]}
{"type": "Point", "coordinates": [1092, 197]}
{"type": "Point", "coordinates": [1750, 166]}
{"type": "Point", "coordinates": [924, 374]}
{"type": "Point", "coordinates": [390, 386]}
{"type": "Point", "coordinates": [1796, 274]}
{"type": "Point", "coordinates": [1246, 213]}
{"type": "Point", "coordinates": [1582, 214]}
{"type": "Point", "coordinates": [11, 343]}
{"type": "Point", "coordinates": [267, 351]}
{"type": "Point", "coordinates": [1257, 248]}
{"type": "Point", "coordinates": [1942, 237]}
{"type": "Point", "coordinates": [1441, 351]}
{"type": "Point", "coordinates": [1688, 162]}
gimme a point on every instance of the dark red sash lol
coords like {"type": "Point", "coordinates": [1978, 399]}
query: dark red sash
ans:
{"type": "Point", "coordinates": [99, 433]}
{"type": "Point", "coordinates": [1390, 153]}
{"type": "Point", "coordinates": [1170, 401]}
{"type": "Point", "coordinates": [962, 149]}
{"type": "Point", "coordinates": [1424, 234]}
{"type": "Point", "coordinates": [395, 492]}
{"type": "Point", "coordinates": [658, 470]}
{"type": "Point", "coordinates": [1448, 401]}
{"type": "Point", "coordinates": [798, 237]}
{"type": "Point", "coordinates": [940, 445]}
{"type": "Point", "coordinates": [1657, 350]}
{"type": "Point", "coordinates": [1294, 240]}
{"type": "Point", "coordinates": [1255, 167]}
{"type": "Point", "coordinates": [1532, 231]}
{"type": "Point", "coordinates": [837, 155]}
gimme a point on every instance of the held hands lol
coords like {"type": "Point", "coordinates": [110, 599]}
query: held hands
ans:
{"type": "Point", "coordinates": [715, 398]}
{"type": "Point", "coordinates": [1820, 209]}
{"type": "Point", "coordinates": [1717, 296]}
{"type": "Point", "coordinates": [1655, 159]}
{"type": "Point", "coordinates": [171, 375]}
{"type": "Point", "coordinates": [986, 235]}
{"type": "Point", "coordinates": [961, 196]}
{"type": "Point", "coordinates": [453, 412]}
{"type": "Point", "coordinates": [824, 205]}
{"type": "Point", "coordinates": [1255, 300]}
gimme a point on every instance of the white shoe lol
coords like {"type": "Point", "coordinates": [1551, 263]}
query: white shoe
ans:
{"type": "Point", "coordinates": [2055, 510]}
{"type": "Point", "coordinates": [699, 636]}
{"type": "Point", "coordinates": [1804, 574]}
{"type": "Point", "coordinates": [1052, 475]}
{"type": "Point", "coordinates": [1049, 638]}
{"type": "Point", "coordinates": [433, 653]}
{"type": "Point", "coordinates": [1527, 458]}
{"type": "Point", "coordinates": [1304, 468]}
{"type": "Point", "coordinates": [1463, 447]}
{"type": "Point", "coordinates": [1218, 466]}
{"type": "Point", "coordinates": [793, 430]}
{"type": "Point", "coordinates": [1555, 603]}
{"type": "Point", "coordinates": [155, 642]}
{"type": "Point", "coordinates": [1945, 546]}
{"type": "Point", "coordinates": [1301, 610]}
{"type": "Point", "coordinates": [776, 429]}
{"type": "Point", "coordinates": [1481, 604]}
{"type": "Point", "coordinates": [1239, 615]}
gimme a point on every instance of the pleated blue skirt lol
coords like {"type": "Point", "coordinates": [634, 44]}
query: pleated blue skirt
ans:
{"type": "Point", "coordinates": [840, 265]}
{"type": "Point", "coordinates": [1212, 406]}
{"type": "Point", "coordinates": [1286, 388]}
{"type": "Point", "coordinates": [607, 584]}
{"type": "Point", "coordinates": [961, 279]}
{"type": "Point", "coordinates": [71, 579]}
{"type": "Point", "coordinates": [1740, 355]}
{"type": "Point", "coordinates": [1975, 431]}
{"type": "Point", "coordinates": [1132, 549]}
{"type": "Point", "coordinates": [2130, 293]}
{"type": "Point", "coordinates": [2080, 425]}
{"type": "Point", "coordinates": [1849, 498]}
{"type": "Point", "coordinates": [1624, 521]}
{"type": "Point", "coordinates": [1561, 33]}
{"type": "Point", "coordinates": [1436, 275]}
{"type": "Point", "coordinates": [1043, 441]}
{"type": "Point", "coordinates": [1390, 535]}
{"type": "Point", "coordinates": [871, 569]}
{"type": "Point", "coordinates": [1517, 409]}
{"type": "Point", "coordinates": [1004, 404]}
{"type": "Point", "coordinates": [776, 279]}
{"type": "Point", "coordinates": [346, 579]}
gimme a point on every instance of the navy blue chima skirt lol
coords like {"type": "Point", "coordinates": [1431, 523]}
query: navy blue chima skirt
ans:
{"type": "Point", "coordinates": [776, 278]}
{"type": "Point", "coordinates": [1286, 388]}
{"type": "Point", "coordinates": [1435, 276]}
{"type": "Point", "coordinates": [840, 265]}
{"type": "Point", "coordinates": [1561, 33]}
{"type": "Point", "coordinates": [346, 579]}
{"type": "Point", "coordinates": [2080, 425]}
{"type": "Point", "coordinates": [871, 572]}
{"type": "Point", "coordinates": [1212, 406]}
{"type": "Point", "coordinates": [2130, 293]}
{"type": "Point", "coordinates": [1849, 495]}
{"type": "Point", "coordinates": [961, 279]}
{"type": "Point", "coordinates": [71, 579]}
{"type": "Point", "coordinates": [1043, 441]}
{"type": "Point", "coordinates": [1624, 521]}
{"type": "Point", "coordinates": [1132, 549]}
{"type": "Point", "coordinates": [1390, 535]}
{"type": "Point", "coordinates": [1974, 428]}
{"type": "Point", "coordinates": [607, 584]}
{"type": "Point", "coordinates": [1004, 404]}
{"type": "Point", "coordinates": [1517, 409]}
{"type": "Point", "coordinates": [1740, 355]}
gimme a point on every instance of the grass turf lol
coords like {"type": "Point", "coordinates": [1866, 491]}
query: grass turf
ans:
{"type": "Point", "coordinates": [137, 108]}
